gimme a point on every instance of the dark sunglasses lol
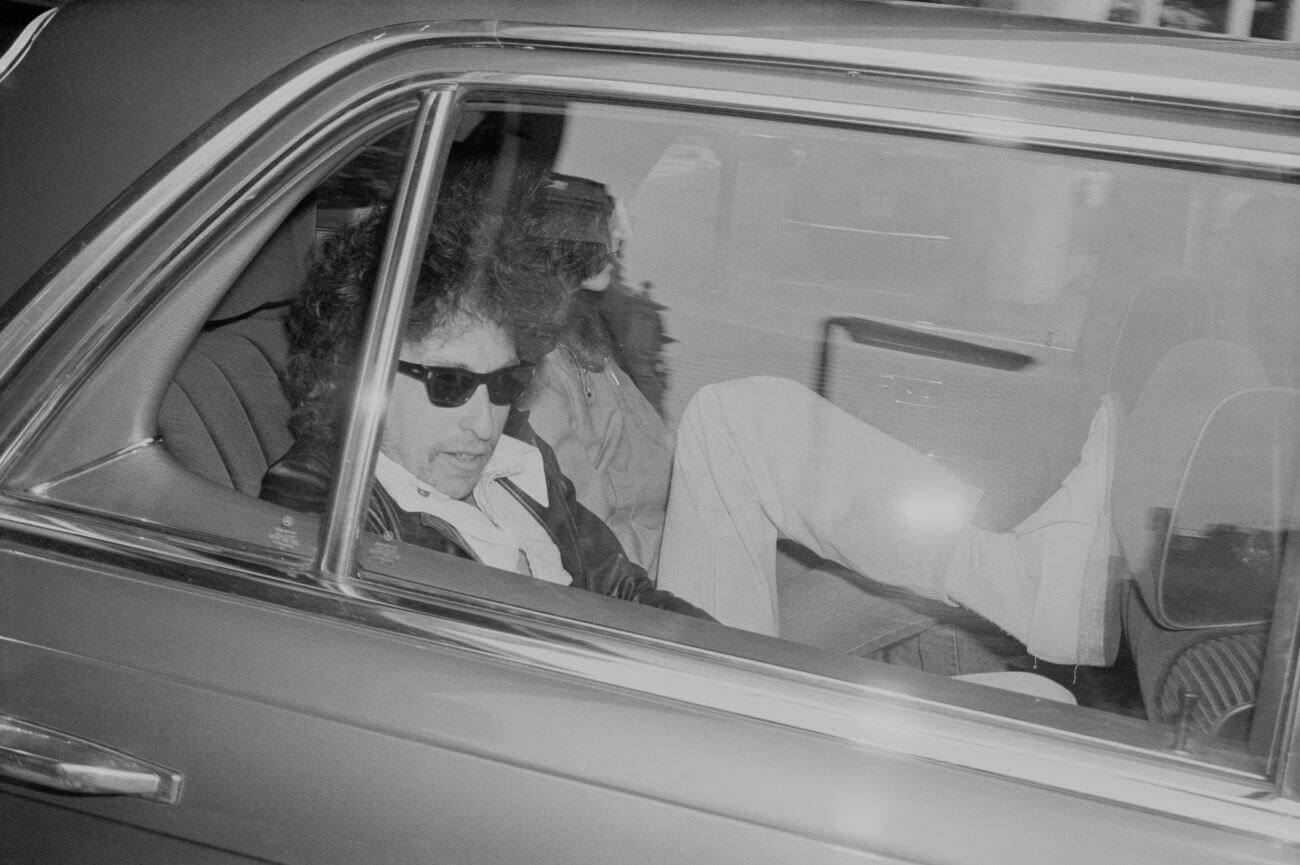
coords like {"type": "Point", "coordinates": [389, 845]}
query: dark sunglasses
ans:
{"type": "Point", "coordinates": [450, 386]}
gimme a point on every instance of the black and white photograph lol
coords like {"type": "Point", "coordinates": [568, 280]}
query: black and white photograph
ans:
{"type": "Point", "coordinates": [650, 432]}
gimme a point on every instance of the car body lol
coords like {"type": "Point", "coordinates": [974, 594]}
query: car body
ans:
{"type": "Point", "coordinates": [928, 214]}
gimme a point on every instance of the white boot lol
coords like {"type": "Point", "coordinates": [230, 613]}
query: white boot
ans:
{"type": "Point", "coordinates": [1048, 582]}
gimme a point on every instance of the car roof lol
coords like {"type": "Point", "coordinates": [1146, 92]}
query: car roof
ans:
{"type": "Point", "coordinates": [109, 87]}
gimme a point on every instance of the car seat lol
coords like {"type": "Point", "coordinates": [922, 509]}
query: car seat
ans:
{"type": "Point", "coordinates": [225, 415]}
{"type": "Point", "coordinates": [1202, 505]}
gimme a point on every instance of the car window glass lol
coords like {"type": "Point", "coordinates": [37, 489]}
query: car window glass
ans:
{"type": "Point", "coordinates": [1002, 321]}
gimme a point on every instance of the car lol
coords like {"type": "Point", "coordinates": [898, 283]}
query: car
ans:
{"type": "Point", "coordinates": [965, 227]}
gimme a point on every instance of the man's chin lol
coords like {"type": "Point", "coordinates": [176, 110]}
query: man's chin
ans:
{"type": "Point", "coordinates": [453, 484]}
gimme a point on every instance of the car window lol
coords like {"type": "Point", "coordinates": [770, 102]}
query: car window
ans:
{"type": "Point", "coordinates": [1020, 417]}
{"type": "Point", "coordinates": [1018, 341]}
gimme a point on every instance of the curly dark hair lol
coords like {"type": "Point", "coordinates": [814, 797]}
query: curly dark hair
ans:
{"type": "Point", "coordinates": [485, 260]}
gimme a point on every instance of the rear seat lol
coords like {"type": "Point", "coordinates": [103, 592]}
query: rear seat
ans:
{"type": "Point", "coordinates": [225, 416]}
{"type": "Point", "coordinates": [1206, 367]}
{"type": "Point", "coordinates": [1202, 503]}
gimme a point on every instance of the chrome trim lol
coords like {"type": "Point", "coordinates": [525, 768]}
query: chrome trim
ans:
{"type": "Point", "coordinates": [399, 265]}
{"type": "Point", "coordinates": [18, 49]}
{"type": "Point", "coordinates": [44, 488]}
{"type": "Point", "coordinates": [873, 717]}
{"type": "Point", "coordinates": [1011, 77]}
{"type": "Point", "coordinates": [1007, 77]}
{"type": "Point", "coordinates": [1020, 134]}
{"type": "Point", "coordinates": [53, 760]}
{"type": "Point", "coordinates": [176, 553]}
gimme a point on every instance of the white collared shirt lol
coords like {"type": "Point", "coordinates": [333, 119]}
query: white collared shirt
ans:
{"type": "Point", "coordinates": [498, 528]}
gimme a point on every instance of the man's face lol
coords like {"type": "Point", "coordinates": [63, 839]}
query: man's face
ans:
{"type": "Point", "coordinates": [448, 448]}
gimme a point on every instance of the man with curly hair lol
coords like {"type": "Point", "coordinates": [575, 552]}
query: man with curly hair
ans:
{"type": "Point", "coordinates": [458, 469]}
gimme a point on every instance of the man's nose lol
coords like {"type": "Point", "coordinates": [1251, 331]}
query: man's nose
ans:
{"type": "Point", "coordinates": [476, 416]}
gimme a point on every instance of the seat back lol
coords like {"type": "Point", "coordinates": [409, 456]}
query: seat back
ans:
{"type": "Point", "coordinates": [1202, 487]}
{"type": "Point", "coordinates": [1167, 421]}
{"type": "Point", "coordinates": [1233, 512]}
{"type": "Point", "coordinates": [225, 415]}
{"type": "Point", "coordinates": [1202, 506]}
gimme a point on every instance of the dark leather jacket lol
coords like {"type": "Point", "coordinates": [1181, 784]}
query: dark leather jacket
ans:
{"type": "Point", "coordinates": [588, 549]}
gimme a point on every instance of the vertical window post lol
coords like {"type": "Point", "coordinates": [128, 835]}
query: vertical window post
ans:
{"type": "Point", "coordinates": [399, 264]}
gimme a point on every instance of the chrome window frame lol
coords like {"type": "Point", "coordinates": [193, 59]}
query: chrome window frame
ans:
{"type": "Point", "coordinates": [980, 74]}
{"type": "Point", "coordinates": [755, 688]}
{"type": "Point", "coordinates": [399, 265]}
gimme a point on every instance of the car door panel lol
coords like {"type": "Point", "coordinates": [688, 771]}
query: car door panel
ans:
{"type": "Point", "coordinates": [292, 746]}
{"type": "Point", "coordinates": [44, 832]}
{"type": "Point", "coordinates": [308, 737]}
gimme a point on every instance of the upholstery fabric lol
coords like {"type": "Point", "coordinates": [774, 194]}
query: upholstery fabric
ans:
{"type": "Point", "coordinates": [1225, 673]}
{"type": "Point", "coordinates": [225, 415]}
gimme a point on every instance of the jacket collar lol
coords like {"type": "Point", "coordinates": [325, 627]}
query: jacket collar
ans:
{"type": "Point", "coordinates": [514, 459]}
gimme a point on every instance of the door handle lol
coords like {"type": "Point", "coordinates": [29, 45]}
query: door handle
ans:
{"type": "Point", "coordinates": [56, 761]}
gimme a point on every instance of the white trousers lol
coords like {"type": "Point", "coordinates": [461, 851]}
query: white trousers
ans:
{"type": "Point", "coordinates": [763, 458]}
